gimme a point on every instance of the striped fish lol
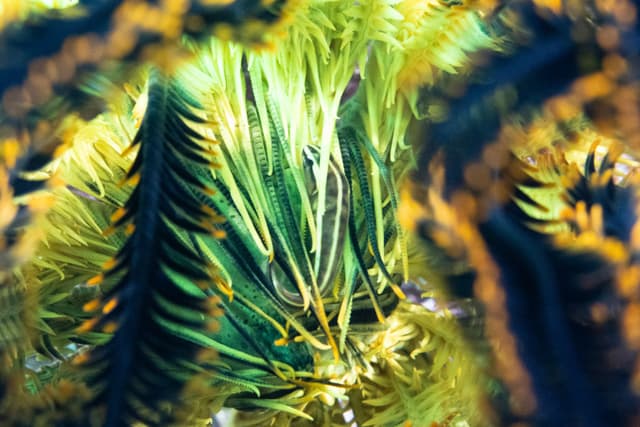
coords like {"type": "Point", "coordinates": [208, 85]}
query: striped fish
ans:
{"type": "Point", "coordinates": [335, 221]}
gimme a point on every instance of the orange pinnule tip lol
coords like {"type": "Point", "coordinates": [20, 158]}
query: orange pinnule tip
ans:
{"type": "Point", "coordinates": [88, 325]}
{"type": "Point", "coordinates": [118, 214]}
{"type": "Point", "coordinates": [110, 327]}
{"type": "Point", "coordinates": [108, 231]}
{"type": "Point", "coordinates": [219, 234]}
{"type": "Point", "coordinates": [213, 326]}
{"type": "Point", "coordinates": [109, 264]}
{"type": "Point", "coordinates": [91, 305]}
{"type": "Point", "coordinates": [206, 354]}
{"type": "Point", "coordinates": [281, 342]}
{"type": "Point", "coordinates": [213, 301]}
{"type": "Point", "coordinates": [81, 358]}
{"type": "Point", "coordinates": [215, 311]}
{"type": "Point", "coordinates": [207, 210]}
{"type": "Point", "coordinates": [110, 305]}
{"type": "Point", "coordinates": [128, 150]}
{"type": "Point", "coordinates": [129, 180]}
{"type": "Point", "coordinates": [567, 214]}
{"type": "Point", "coordinates": [129, 229]}
{"type": "Point", "coordinates": [95, 280]}
{"type": "Point", "coordinates": [134, 180]}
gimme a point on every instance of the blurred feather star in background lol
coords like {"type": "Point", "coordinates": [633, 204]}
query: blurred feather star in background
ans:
{"type": "Point", "coordinates": [319, 213]}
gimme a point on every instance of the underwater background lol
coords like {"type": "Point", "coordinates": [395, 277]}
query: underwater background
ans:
{"type": "Point", "coordinates": [416, 213]}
